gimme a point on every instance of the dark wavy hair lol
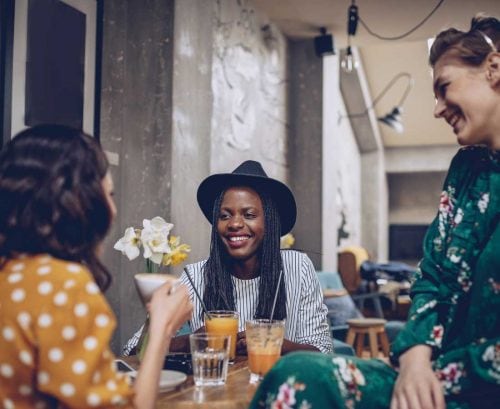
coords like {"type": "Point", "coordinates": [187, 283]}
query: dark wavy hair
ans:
{"type": "Point", "coordinates": [52, 200]}
{"type": "Point", "coordinates": [469, 46]}
{"type": "Point", "coordinates": [219, 294]}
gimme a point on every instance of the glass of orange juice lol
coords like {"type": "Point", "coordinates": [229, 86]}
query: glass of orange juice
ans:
{"type": "Point", "coordinates": [264, 340]}
{"type": "Point", "coordinates": [224, 323]}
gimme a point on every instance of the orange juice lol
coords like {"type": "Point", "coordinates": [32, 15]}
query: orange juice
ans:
{"type": "Point", "coordinates": [224, 323]}
{"type": "Point", "coordinates": [260, 361]}
{"type": "Point", "coordinates": [264, 341]}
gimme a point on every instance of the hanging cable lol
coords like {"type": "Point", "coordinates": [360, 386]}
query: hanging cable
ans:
{"type": "Point", "coordinates": [399, 37]}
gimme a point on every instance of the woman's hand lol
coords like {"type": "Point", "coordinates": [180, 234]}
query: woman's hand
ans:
{"type": "Point", "coordinates": [241, 343]}
{"type": "Point", "coordinates": [169, 309]}
{"type": "Point", "coordinates": [417, 387]}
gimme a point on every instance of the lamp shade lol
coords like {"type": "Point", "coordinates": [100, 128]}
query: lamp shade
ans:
{"type": "Point", "coordinates": [393, 119]}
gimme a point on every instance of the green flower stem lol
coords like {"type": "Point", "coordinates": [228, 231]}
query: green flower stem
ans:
{"type": "Point", "coordinates": [143, 340]}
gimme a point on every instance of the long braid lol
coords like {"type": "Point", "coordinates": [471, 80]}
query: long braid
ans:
{"type": "Point", "coordinates": [218, 293]}
{"type": "Point", "coordinates": [271, 264]}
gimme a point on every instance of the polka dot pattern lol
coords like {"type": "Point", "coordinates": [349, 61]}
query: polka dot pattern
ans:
{"type": "Point", "coordinates": [44, 320]}
{"type": "Point", "coordinates": [60, 299]}
{"type": "Point", "coordinates": [73, 362]}
{"type": "Point", "coordinates": [8, 333]}
{"type": "Point", "coordinates": [6, 370]}
{"type": "Point", "coordinates": [56, 355]}
{"type": "Point", "coordinates": [90, 343]}
{"type": "Point", "coordinates": [67, 389]}
{"type": "Point", "coordinates": [68, 333]}
{"type": "Point", "coordinates": [79, 367]}
{"type": "Point", "coordinates": [45, 287]}
{"type": "Point", "coordinates": [18, 295]}
{"type": "Point", "coordinates": [102, 320]}
{"type": "Point", "coordinates": [81, 309]}
{"type": "Point", "coordinates": [25, 357]}
{"type": "Point", "coordinates": [15, 278]}
{"type": "Point", "coordinates": [44, 270]}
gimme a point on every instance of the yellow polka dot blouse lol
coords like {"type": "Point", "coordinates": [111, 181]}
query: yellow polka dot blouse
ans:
{"type": "Point", "coordinates": [55, 328]}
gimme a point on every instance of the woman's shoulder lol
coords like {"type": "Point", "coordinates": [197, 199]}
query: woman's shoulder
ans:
{"type": "Point", "coordinates": [195, 267]}
{"type": "Point", "coordinates": [295, 259]}
{"type": "Point", "coordinates": [469, 157]}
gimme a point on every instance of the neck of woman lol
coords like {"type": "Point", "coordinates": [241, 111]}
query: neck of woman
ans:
{"type": "Point", "coordinates": [245, 269]}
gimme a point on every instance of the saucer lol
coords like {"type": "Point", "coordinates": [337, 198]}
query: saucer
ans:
{"type": "Point", "coordinates": [170, 379]}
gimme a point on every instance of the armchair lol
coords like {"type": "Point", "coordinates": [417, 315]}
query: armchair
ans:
{"type": "Point", "coordinates": [341, 307]}
{"type": "Point", "coordinates": [350, 260]}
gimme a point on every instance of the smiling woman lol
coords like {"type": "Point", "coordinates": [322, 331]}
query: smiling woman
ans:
{"type": "Point", "coordinates": [246, 270]}
{"type": "Point", "coordinates": [448, 353]}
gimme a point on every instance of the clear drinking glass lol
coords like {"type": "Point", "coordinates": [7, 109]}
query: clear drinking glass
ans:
{"type": "Point", "coordinates": [224, 323]}
{"type": "Point", "coordinates": [210, 355]}
{"type": "Point", "coordinates": [264, 341]}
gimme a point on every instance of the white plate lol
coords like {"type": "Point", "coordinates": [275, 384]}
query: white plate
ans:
{"type": "Point", "coordinates": [168, 379]}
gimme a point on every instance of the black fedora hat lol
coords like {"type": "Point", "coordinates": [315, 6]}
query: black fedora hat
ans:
{"type": "Point", "coordinates": [249, 173]}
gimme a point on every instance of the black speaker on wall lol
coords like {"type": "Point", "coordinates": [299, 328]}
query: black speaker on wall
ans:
{"type": "Point", "coordinates": [323, 44]}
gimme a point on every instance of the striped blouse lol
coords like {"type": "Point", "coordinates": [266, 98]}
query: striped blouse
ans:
{"type": "Point", "coordinates": [306, 314]}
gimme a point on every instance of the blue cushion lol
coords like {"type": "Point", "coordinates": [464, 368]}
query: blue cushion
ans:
{"type": "Point", "coordinates": [330, 280]}
{"type": "Point", "coordinates": [342, 348]}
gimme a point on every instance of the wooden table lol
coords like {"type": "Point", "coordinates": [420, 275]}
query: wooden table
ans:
{"type": "Point", "coordinates": [235, 394]}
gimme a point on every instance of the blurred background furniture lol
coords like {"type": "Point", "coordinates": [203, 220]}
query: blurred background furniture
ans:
{"type": "Point", "coordinates": [375, 287]}
{"type": "Point", "coordinates": [375, 329]}
{"type": "Point", "coordinates": [342, 308]}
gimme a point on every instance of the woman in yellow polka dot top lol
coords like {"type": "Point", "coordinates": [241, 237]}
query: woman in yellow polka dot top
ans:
{"type": "Point", "coordinates": [55, 325]}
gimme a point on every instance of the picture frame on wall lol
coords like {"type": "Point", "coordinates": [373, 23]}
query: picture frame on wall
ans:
{"type": "Point", "coordinates": [53, 77]}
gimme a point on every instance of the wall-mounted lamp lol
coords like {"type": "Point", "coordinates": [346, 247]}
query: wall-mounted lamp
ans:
{"type": "Point", "coordinates": [348, 62]}
{"type": "Point", "coordinates": [393, 118]}
{"type": "Point", "coordinates": [323, 44]}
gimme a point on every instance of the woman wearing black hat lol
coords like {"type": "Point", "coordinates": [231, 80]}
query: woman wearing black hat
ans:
{"type": "Point", "coordinates": [249, 212]}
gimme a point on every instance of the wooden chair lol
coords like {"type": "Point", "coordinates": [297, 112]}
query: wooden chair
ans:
{"type": "Point", "coordinates": [375, 329]}
{"type": "Point", "coordinates": [349, 265]}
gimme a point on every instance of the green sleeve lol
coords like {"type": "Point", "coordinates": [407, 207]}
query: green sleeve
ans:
{"type": "Point", "coordinates": [471, 368]}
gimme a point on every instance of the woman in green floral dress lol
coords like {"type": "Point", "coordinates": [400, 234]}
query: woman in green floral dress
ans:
{"type": "Point", "coordinates": [448, 355]}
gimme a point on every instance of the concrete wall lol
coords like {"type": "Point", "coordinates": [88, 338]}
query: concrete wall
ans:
{"type": "Point", "coordinates": [135, 128]}
{"type": "Point", "coordinates": [306, 122]}
{"type": "Point", "coordinates": [414, 197]}
{"type": "Point", "coordinates": [189, 88]}
{"type": "Point", "coordinates": [341, 171]}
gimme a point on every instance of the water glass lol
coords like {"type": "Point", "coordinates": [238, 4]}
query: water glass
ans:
{"type": "Point", "coordinates": [264, 341]}
{"type": "Point", "coordinates": [210, 355]}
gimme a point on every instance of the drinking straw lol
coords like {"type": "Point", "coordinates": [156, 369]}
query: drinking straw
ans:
{"type": "Point", "coordinates": [203, 306]}
{"type": "Point", "coordinates": [276, 296]}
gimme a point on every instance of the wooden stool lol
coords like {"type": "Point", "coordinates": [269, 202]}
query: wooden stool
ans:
{"type": "Point", "coordinates": [375, 328]}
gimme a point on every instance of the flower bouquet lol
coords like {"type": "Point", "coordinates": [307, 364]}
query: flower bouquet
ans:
{"type": "Point", "coordinates": [159, 249]}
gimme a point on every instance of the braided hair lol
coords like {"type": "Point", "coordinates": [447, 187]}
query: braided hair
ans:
{"type": "Point", "coordinates": [219, 293]}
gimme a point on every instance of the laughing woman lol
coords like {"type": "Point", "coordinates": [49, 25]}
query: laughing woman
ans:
{"type": "Point", "coordinates": [448, 354]}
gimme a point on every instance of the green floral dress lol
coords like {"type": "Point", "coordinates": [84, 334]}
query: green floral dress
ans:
{"type": "Point", "coordinates": [455, 310]}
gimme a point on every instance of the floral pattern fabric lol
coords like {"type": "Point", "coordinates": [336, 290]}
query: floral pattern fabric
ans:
{"type": "Point", "coordinates": [455, 308]}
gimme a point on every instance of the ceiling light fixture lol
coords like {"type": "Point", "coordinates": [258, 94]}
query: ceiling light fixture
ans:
{"type": "Point", "coordinates": [348, 62]}
{"type": "Point", "coordinates": [393, 118]}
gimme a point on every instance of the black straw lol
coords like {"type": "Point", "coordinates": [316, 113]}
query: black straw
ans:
{"type": "Point", "coordinates": [203, 306]}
